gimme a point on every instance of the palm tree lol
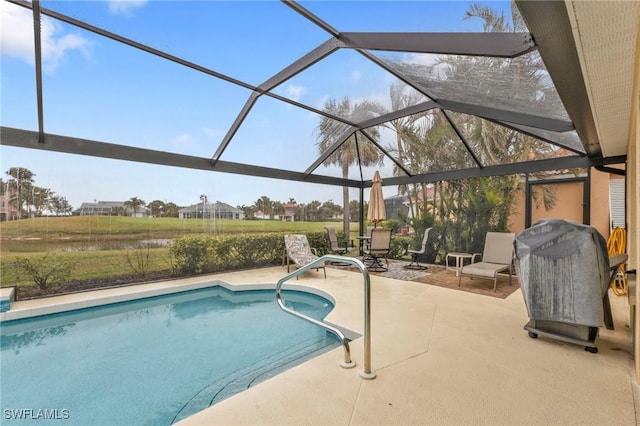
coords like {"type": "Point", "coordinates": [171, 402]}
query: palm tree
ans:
{"type": "Point", "coordinates": [60, 205]}
{"type": "Point", "coordinates": [41, 199]}
{"type": "Point", "coordinates": [349, 152]}
{"type": "Point", "coordinates": [117, 211]}
{"type": "Point", "coordinates": [278, 208]}
{"type": "Point", "coordinates": [264, 205]}
{"type": "Point", "coordinates": [20, 186]}
{"type": "Point", "coordinates": [134, 203]}
{"type": "Point", "coordinates": [156, 208]}
{"type": "Point", "coordinates": [403, 96]}
{"type": "Point", "coordinates": [203, 199]}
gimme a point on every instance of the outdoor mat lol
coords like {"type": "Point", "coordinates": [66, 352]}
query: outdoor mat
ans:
{"type": "Point", "coordinates": [442, 278]}
{"type": "Point", "coordinates": [396, 269]}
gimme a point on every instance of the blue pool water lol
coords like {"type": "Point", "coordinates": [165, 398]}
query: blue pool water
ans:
{"type": "Point", "coordinates": [153, 361]}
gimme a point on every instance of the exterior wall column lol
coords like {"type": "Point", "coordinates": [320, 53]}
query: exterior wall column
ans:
{"type": "Point", "coordinates": [633, 200]}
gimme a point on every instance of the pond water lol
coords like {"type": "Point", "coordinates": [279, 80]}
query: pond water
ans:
{"type": "Point", "coordinates": [32, 245]}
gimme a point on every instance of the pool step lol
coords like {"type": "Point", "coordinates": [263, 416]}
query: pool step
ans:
{"type": "Point", "coordinates": [241, 380]}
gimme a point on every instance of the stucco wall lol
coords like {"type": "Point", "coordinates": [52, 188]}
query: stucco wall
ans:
{"type": "Point", "coordinates": [569, 204]}
{"type": "Point", "coordinates": [633, 199]}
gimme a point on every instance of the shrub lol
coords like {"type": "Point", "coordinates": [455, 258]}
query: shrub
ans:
{"type": "Point", "coordinates": [191, 254]}
{"type": "Point", "coordinates": [258, 249]}
{"type": "Point", "coordinates": [46, 270]}
{"type": "Point", "coordinates": [398, 245]}
{"type": "Point", "coordinates": [138, 260]}
{"type": "Point", "coordinates": [320, 241]}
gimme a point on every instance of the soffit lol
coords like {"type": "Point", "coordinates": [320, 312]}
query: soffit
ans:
{"type": "Point", "coordinates": [605, 36]}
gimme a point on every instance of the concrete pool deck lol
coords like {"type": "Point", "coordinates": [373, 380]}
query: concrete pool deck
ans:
{"type": "Point", "coordinates": [441, 357]}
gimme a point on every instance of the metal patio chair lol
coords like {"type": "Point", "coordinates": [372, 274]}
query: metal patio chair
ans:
{"type": "Point", "coordinates": [416, 253]}
{"type": "Point", "coordinates": [379, 248]}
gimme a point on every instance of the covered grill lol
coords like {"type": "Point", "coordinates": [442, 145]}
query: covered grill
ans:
{"type": "Point", "coordinates": [564, 273]}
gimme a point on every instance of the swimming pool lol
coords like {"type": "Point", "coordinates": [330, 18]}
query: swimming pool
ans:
{"type": "Point", "coordinates": [155, 360]}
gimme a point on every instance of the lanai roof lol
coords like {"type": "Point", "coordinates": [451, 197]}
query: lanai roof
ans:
{"type": "Point", "coordinates": [529, 80]}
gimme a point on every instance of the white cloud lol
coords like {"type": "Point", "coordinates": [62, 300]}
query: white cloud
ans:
{"type": "Point", "coordinates": [17, 37]}
{"type": "Point", "coordinates": [296, 92]}
{"type": "Point", "coordinates": [356, 75]}
{"type": "Point", "coordinates": [182, 140]}
{"type": "Point", "coordinates": [427, 59]}
{"type": "Point", "coordinates": [125, 7]}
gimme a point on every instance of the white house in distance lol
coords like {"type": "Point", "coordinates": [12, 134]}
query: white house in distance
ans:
{"type": "Point", "coordinates": [217, 210]}
{"type": "Point", "coordinates": [106, 208]}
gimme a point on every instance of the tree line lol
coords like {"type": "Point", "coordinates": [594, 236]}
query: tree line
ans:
{"type": "Point", "coordinates": [309, 212]}
{"type": "Point", "coordinates": [28, 199]}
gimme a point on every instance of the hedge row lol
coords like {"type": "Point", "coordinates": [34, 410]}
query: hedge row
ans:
{"type": "Point", "coordinates": [206, 254]}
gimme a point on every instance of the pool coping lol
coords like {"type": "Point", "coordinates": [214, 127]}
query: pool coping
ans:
{"type": "Point", "coordinates": [7, 297]}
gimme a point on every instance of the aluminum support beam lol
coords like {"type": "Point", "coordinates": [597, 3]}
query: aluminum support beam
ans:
{"type": "Point", "coordinates": [384, 151]}
{"type": "Point", "coordinates": [298, 66]}
{"type": "Point", "coordinates": [462, 138]}
{"type": "Point", "coordinates": [339, 141]}
{"type": "Point", "coordinates": [235, 126]}
{"type": "Point", "coordinates": [394, 115]}
{"type": "Point", "coordinates": [539, 135]}
{"type": "Point", "coordinates": [560, 163]}
{"type": "Point", "coordinates": [530, 120]}
{"type": "Point", "coordinates": [56, 143]}
{"type": "Point", "coordinates": [316, 55]}
{"type": "Point", "coordinates": [311, 17]}
{"type": "Point", "coordinates": [549, 22]}
{"type": "Point", "coordinates": [503, 45]}
{"type": "Point", "coordinates": [29, 139]}
{"type": "Point", "coordinates": [38, 62]}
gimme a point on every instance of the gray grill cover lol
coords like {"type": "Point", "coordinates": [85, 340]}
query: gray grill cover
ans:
{"type": "Point", "coordinates": [563, 268]}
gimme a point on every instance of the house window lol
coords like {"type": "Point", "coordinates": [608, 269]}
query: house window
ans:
{"type": "Point", "coordinates": [616, 203]}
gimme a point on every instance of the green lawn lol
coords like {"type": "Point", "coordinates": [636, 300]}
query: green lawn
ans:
{"type": "Point", "coordinates": [119, 227]}
{"type": "Point", "coordinates": [88, 264]}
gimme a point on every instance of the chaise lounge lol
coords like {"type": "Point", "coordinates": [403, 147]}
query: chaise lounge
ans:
{"type": "Point", "coordinates": [300, 252]}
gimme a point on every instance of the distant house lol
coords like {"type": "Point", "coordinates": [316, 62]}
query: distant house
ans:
{"type": "Point", "coordinates": [7, 210]}
{"type": "Point", "coordinates": [396, 207]}
{"type": "Point", "coordinates": [217, 210]}
{"type": "Point", "coordinates": [107, 208]}
{"type": "Point", "coordinates": [288, 216]}
{"type": "Point", "coordinates": [289, 212]}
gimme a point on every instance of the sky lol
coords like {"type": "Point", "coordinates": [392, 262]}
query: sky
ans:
{"type": "Point", "coordinates": [99, 89]}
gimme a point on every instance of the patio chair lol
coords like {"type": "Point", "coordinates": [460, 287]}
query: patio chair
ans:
{"type": "Point", "coordinates": [416, 253]}
{"type": "Point", "coordinates": [496, 257]}
{"type": "Point", "coordinates": [379, 248]}
{"type": "Point", "coordinates": [300, 252]}
{"type": "Point", "coordinates": [338, 247]}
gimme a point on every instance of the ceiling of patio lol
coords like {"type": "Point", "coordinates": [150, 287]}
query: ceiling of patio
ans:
{"type": "Point", "coordinates": [579, 55]}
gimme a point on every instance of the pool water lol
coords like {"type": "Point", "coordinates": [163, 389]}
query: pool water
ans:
{"type": "Point", "coordinates": [153, 361]}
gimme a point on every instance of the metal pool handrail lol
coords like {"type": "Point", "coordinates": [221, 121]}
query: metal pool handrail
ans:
{"type": "Point", "coordinates": [366, 373]}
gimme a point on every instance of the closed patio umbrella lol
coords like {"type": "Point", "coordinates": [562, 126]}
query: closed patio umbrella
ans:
{"type": "Point", "coordinates": [376, 211]}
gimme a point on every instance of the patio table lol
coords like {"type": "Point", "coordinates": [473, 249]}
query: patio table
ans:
{"type": "Point", "coordinates": [459, 258]}
{"type": "Point", "coordinates": [363, 240]}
